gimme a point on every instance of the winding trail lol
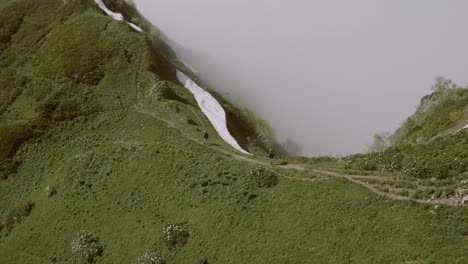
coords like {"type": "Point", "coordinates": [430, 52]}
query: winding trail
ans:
{"type": "Point", "coordinates": [351, 178]}
{"type": "Point", "coordinates": [375, 190]}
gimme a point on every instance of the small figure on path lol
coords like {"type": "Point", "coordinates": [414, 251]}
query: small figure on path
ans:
{"type": "Point", "coordinates": [271, 155]}
{"type": "Point", "coordinates": [121, 103]}
{"type": "Point", "coordinates": [205, 136]}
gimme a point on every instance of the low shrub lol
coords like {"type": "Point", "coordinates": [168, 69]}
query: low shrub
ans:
{"type": "Point", "coordinates": [416, 194]}
{"type": "Point", "coordinates": [17, 215]}
{"type": "Point", "coordinates": [448, 192]}
{"type": "Point", "coordinates": [443, 158]}
{"type": "Point", "coordinates": [162, 90]}
{"type": "Point", "coordinates": [175, 235]}
{"type": "Point", "coordinates": [264, 177]}
{"type": "Point", "coordinates": [402, 192]}
{"type": "Point", "coordinates": [8, 167]}
{"type": "Point", "coordinates": [86, 247]}
{"type": "Point", "coordinates": [437, 193]}
{"type": "Point", "coordinates": [56, 110]}
{"type": "Point", "coordinates": [12, 136]}
{"type": "Point", "coordinates": [365, 164]}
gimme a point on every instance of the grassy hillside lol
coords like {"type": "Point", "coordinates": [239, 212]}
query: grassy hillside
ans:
{"type": "Point", "coordinates": [428, 158]}
{"type": "Point", "coordinates": [96, 135]}
{"type": "Point", "coordinates": [440, 113]}
{"type": "Point", "coordinates": [123, 177]}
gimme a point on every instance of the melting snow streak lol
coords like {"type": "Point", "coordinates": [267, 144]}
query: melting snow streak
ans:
{"type": "Point", "coordinates": [212, 110]}
{"type": "Point", "coordinates": [115, 16]}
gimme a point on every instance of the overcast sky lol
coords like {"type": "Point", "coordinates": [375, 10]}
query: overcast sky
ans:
{"type": "Point", "coordinates": [327, 74]}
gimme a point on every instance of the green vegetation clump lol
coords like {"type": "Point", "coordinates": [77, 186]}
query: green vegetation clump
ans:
{"type": "Point", "coordinates": [12, 136]}
{"type": "Point", "coordinates": [264, 178]}
{"type": "Point", "coordinates": [427, 145]}
{"type": "Point", "coordinates": [8, 167]}
{"type": "Point", "coordinates": [86, 247]}
{"type": "Point", "coordinates": [175, 235]}
{"type": "Point", "coordinates": [442, 158]}
{"type": "Point", "coordinates": [161, 90]}
{"type": "Point", "coordinates": [17, 215]}
{"type": "Point", "coordinates": [265, 134]}
{"type": "Point", "coordinates": [440, 113]}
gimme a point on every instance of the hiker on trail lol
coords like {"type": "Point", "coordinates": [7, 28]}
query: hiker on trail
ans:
{"type": "Point", "coordinates": [205, 136]}
{"type": "Point", "coordinates": [271, 155]}
{"type": "Point", "coordinates": [121, 103]}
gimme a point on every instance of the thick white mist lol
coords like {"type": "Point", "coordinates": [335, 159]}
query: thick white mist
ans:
{"type": "Point", "coordinates": [327, 74]}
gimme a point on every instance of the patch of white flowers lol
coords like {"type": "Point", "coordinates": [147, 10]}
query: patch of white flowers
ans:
{"type": "Point", "coordinates": [175, 235]}
{"type": "Point", "coordinates": [151, 258]}
{"type": "Point", "coordinates": [86, 247]}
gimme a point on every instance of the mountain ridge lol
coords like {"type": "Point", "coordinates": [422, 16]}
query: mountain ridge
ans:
{"type": "Point", "coordinates": [102, 153]}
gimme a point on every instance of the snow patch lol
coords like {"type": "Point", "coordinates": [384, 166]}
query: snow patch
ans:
{"type": "Point", "coordinates": [116, 16]}
{"type": "Point", "coordinates": [137, 28]}
{"type": "Point", "coordinates": [212, 110]}
{"type": "Point", "coordinates": [104, 8]}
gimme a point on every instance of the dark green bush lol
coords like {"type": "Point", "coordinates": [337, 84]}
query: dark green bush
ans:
{"type": "Point", "coordinates": [402, 192]}
{"type": "Point", "coordinates": [11, 18]}
{"type": "Point", "coordinates": [442, 158]}
{"type": "Point", "coordinates": [264, 177]}
{"type": "Point", "coordinates": [12, 137]}
{"type": "Point", "coordinates": [175, 235]}
{"type": "Point", "coordinates": [8, 167]}
{"type": "Point", "coordinates": [416, 194]}
{"type": "Point", "coordinates": [86, 247]}
{"type": "Point", "coordinates": [17, 215]}
{"type": "Point", "coordinates": [59, 110]}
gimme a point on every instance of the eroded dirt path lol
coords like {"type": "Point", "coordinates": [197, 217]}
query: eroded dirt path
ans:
{"type": "Point", "coordinates": [351, 178]}
{"type": "Point", "coordinates": [388, 195]}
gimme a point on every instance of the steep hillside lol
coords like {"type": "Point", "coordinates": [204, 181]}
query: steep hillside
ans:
{"type": "Point", "coordinates": [440, 113]}
{"type": "Point", "coordinates": [102, 160]}
{"type": "Point", "coordinates": [428, 156]}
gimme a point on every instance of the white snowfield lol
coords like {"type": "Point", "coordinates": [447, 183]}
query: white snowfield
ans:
{"type": "Point", "coordinates": [116, 16]}
{"type": "Point", "coordinates": [212, 110]}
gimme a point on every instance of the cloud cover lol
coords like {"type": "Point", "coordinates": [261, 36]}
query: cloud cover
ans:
{"type": "Point", "coordinates": [327, 74]}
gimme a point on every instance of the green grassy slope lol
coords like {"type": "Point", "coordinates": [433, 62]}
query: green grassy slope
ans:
{"type": "Point", "coordinates": [428, 158]}
{"type": "Point", "coordinates": [123, 173]}
{"type": "Point", "coordinates": [124, 176]}
{"type": "Point", "coordinates": [439, 114]}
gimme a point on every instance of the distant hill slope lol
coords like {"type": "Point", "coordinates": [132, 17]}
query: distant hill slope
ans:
{"type": "Point", "coordinates": [440, 113]}
{"type": "Point", "coordinates": [102, 160]}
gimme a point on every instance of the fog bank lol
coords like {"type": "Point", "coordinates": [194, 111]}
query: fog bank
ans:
{"type": "Point", "coordinates": [326, 74]}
